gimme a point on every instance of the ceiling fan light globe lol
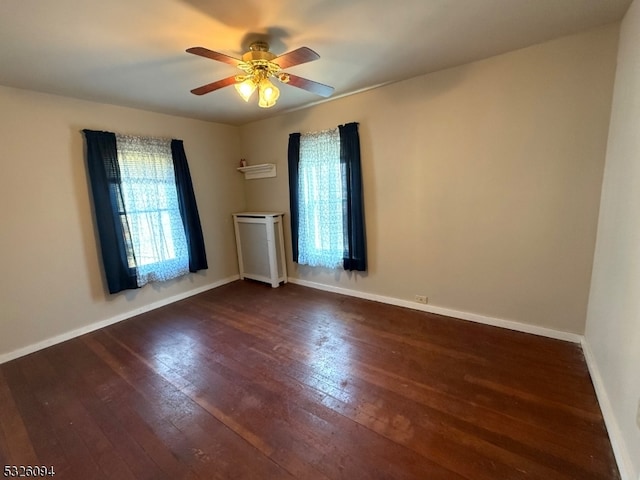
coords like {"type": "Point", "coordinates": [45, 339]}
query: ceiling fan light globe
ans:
{"type": "Point", "coordinates": [262, 103]}
{"type": "Point", "coordinates": [268, 94]}
{"type": "Point", "coordinates": [271, 93]}
{"type": "Point", "coordinates": [245, 89]}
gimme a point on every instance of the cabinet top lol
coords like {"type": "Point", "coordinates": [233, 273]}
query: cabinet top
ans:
{"type": "Point", "coordinates": [258, 214]}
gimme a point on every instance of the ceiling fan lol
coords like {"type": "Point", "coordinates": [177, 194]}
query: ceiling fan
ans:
{"type": "Point", "coordinates": [259, 66]}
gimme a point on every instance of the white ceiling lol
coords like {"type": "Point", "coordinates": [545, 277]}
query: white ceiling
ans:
{"type": "Point", "coordinates": [132, 52]}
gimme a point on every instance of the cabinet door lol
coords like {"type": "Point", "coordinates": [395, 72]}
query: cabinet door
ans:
{"type": "Point", "coordinates": [255, 249]}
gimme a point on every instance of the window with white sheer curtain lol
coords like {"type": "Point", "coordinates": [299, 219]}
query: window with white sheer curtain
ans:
{"type": "Point", "coordinates": [326, 199]}
{"type": "Point", "coordinates": [320, 195]}
{"type": "Point", "coordinates": [158, 241]}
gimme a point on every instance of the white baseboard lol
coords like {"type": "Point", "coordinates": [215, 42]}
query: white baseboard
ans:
{"type": "Point", "coordinates": [473, 317]}
{"type": "Point", "coordinates": [5, 357]}
{"type": "Point", "coordinates": [622, 454]}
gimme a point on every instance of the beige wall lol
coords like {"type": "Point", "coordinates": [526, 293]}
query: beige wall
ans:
{"type": "Point", "coordinates": [613, 320]}
{"type": "Point", "coordinates": [51, 280]}
{"type": "Point", "coordinates": [481, 182]}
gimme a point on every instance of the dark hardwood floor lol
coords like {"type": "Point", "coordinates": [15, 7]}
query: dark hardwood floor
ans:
{"type": "Point", "coordinates": [246, 381]}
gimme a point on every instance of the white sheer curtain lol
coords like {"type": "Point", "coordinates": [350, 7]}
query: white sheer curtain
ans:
{"type": "Point", "coordinates": [152, 211]}
{"type": "Point", "coordinates": [321, 240]}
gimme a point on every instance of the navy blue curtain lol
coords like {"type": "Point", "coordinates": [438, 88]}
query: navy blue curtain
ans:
{"type": "Point", "coordinates": [104, 176]}
{"type": "Point", "coordinates": [355, 257]}
{"type": "Point", "coordinates": [188, 208]}
{"type": "Point", "coordinates": [293, 159]}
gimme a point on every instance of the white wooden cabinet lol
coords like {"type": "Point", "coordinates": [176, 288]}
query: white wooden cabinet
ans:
{"type": "Point", "coordinates": [260, 244]}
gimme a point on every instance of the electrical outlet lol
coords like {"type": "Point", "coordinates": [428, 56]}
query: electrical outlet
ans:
{"type": "Point", "coordinates": [421, 298]}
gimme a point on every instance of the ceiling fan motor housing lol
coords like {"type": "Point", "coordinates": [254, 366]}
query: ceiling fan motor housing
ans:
{"type": "Point", "coordinates": [258, 51]}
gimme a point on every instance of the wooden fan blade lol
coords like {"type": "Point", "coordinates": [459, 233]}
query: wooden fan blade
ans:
{"type": "Point", "coordinates": [296, 57]}
{"type": "Point", "coordinates": [210, 87]}
{"type": "Point", "coordinates": [221, 57]}
{"type": "Point", "coordinates": [311, 86]}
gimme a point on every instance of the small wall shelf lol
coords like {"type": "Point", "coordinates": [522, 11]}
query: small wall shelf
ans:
{"type": "Point", "coordinates": [263, 170]}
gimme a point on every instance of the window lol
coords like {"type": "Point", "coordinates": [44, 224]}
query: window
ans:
{"type": "Point", "coordinates": [157, 244]}
{"type": "Point", "coordinates": [320, 194]}
{"type": "Point", "coordinates": [145, 209]}
{"type": "Point", "coordinates": [325, 188]}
